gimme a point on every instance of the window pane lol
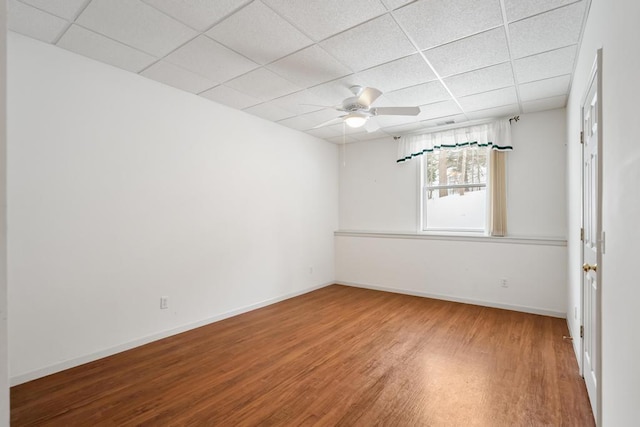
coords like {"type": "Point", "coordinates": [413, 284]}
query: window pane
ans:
{"type": "Point", "coordinates": [453, 205]}
{"type": "Point", "coordinates": [456, 211]}
{"type": "Point", "coordinates": [460, 166]}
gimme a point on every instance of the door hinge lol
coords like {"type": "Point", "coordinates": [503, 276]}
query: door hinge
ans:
{"type": "Point", "coordinates": [581, 137]}
{"type": "Point", "coordinates": [582, 234]}
{"type": "Point", "coordinates": [581, 331]}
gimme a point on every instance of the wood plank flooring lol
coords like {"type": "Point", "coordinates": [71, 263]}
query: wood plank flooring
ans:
{"type": "Point", "coordinates": [337, 356]}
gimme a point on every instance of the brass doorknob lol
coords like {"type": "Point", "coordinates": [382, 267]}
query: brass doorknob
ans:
{"type": "Point", "coordinates": [586, 267]}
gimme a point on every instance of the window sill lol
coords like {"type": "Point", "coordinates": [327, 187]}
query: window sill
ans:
{"type": "Point", "coordinates": [455, 237]}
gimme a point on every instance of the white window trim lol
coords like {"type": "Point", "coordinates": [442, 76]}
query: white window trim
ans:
{"type": "Point", "coordinates": [422, 214]}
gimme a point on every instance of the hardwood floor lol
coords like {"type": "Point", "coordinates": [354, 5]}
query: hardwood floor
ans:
{"type": "Point", "coordinates": [337, 356]}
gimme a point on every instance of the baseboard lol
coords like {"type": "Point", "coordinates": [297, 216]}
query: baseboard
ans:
{"type": "Point", "coordinates": [71, 363]}
{"type": "Point", "coordinates": [512, 307]}
{"type": "Point", "coordinates": [576, 345]}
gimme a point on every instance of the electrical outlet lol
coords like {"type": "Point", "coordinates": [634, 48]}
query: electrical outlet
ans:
{"type": "Point", "coordinates": [164, 303]}
{"type": "Point", "coordinates": [503, 283]}
{"type": "Point", "coordinates": [310, 270]}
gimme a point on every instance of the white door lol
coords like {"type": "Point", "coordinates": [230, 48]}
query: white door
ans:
{"type": "Point", "coordinates": [592, 241]}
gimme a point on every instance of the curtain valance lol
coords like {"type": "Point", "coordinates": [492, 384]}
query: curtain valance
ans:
{"type": "Point", "coordinates": [496, 135]}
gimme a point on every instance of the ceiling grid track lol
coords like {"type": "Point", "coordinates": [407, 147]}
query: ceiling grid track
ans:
{"type": "Point", "coordinates": [511, 60]}
{"type": "Point", "coordinates": [433, 69]}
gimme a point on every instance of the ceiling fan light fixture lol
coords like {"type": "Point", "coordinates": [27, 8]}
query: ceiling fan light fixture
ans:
{"type": "Point", "coordinates": [355, 120]}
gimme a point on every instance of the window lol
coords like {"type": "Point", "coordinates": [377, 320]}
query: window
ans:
{"type": "Point", "coordinates": [456, 177]}
{"type": "Point", "coordinates": [454, 189]}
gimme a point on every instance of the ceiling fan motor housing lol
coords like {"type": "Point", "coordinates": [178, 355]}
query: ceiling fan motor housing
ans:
{"type": "Point", "coordinates": [351, 104]}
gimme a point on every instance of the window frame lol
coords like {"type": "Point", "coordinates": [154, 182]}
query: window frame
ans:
{"type": "Point", "coordinates": [423, 188]}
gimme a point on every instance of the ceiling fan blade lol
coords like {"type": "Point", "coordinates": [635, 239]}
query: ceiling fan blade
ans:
{"type": "Point", "coordinates": [371, 125]}
{"type": "Point", "coordinates": [328, 122]}
{"type": "Point", "coordinates": [396, 111]}
{"type": "Point", "coordinates": [368, 96]}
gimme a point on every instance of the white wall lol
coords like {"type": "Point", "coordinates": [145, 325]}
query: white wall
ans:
{"type": "Point", "coordinates": [536, 197]}
{"type": "Point", "coordinates": [378, 195]}
{"type": "Point", "coordinates": [612, 26]}
{"type": "Point", "coordinates": [458, 270]}
{"type": "Point", "coordinates": [4, 341]}
{"type": "Point", "coordinates": [122, 190]}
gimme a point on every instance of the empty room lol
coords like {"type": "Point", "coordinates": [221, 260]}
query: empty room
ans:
{"type": "Point", "coordinates": [321, 212]}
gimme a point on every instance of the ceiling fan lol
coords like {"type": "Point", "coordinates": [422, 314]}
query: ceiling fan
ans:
{"type": "Point", "coordinates": [359, 111]}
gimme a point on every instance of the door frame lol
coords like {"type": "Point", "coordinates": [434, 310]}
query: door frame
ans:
{"type": "Point", "coordinates": [595, 75]}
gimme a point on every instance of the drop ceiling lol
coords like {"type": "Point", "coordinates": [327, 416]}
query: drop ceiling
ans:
{"type": "Point", "coordinates": [282, 60]}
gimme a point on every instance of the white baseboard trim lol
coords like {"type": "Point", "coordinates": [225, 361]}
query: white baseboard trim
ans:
{"type": "Point", "coordinates": [71, 363]}
{"type": "Point", "coordinates": [576, 344]}
{"type": "Point", "coordinates": [512, 307]}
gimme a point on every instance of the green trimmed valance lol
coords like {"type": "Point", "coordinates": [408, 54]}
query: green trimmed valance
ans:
{"type": "Point", "coordinates": [496, 135]}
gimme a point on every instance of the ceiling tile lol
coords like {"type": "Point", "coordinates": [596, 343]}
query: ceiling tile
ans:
{"type": "Point", "coordinates": [298, 123]}
{"type": "Point", "coordinates": [268, 111]}
{"type": "Point", "coordinates": [321, 116]}
{"type": "Point", "coordinates": [263, 84]}
{"type": "Point", "coordinates": [408, 71]}
{"type": "Point", "coordinates": [210, 59]}
{"type": "Point", "coordinates": [430, 125]}
{"type": "Point", "coordinates": [336, 91]}
{"type": "Point", "coordinates": [341, 139]}
{"type": "Point", "coordinates": [482, 80]}
{"type": "Point", "coordinates": [309, 67]}
{"type": "Point", "coordinates": [135, 24]}
{"type": "Point", "coordinates": [230, 97]}
{"type": "Point", "coordinates": [178, 77]}
{"type": "Point", "coordinates": [101, 48]}
{"type": "Point", "coordinates": [544, 104]}
{"type": "Point", "coordinates": [324, 132]}
{"type": "Point", "coordinates": [32, 22]}
{"type": "Point", "coordinates": [259, 33]}
{"type": "Point", "coordinates": [494, 98]}
{"type": "Point", "coordinates": [438, 109]}
{"type": "Point", "coordinates": [368, 136]}
{"type": "Point", "coordinates": [67, 9]}
{"type": "Point", "coordinates": [518, 9]}
{"type": "Point", "coordinates": [198, 14]}
{"type": "Point", "coordinates": [547, 88]}
{"type": "Point", "coordinates": [387, 121]}
{"type": "Point", "coordinates": [432, 23]}
{"type": "Point", "coordinates": [497, 112]}
{"type": "Point", "coordinates": [394, 4]}
{"type": "Point", "coordinates": [300, 102]}
{"type": "Point", "coordinates": [426, 93]}
{"type": "Point", "coordinates": [403, 129]}
{"type": "Point", "coordinates": [370, 44]}
{"type": "Point", "coordinates": [471, 53]}
{"type": "Point", "coordinates": [531, 35]}
{"type": "Point", "coordinates": [321, 19]}
{"type": "Point", "coordinates": [545, 65]}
